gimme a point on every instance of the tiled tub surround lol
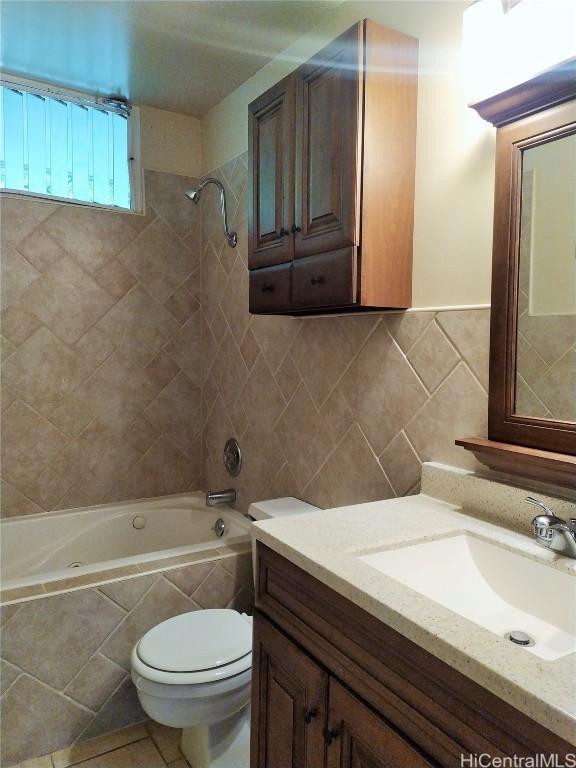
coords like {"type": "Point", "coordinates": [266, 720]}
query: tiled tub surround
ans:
{"type": "Point", "coordinates": [101, 338]}
{"type": "Point", "coordinates": [110, 541]}
{"type": "Point", "coordinates": [65, 660]}
{"type": "Point", "coordinates": [331, 410]}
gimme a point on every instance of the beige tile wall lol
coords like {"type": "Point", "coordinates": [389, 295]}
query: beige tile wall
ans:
{"type": "Point", "coordinates": [101, 388]}
{"type": "Point", "coordinates": [65, 663]}
{"type": "Point", "coordinates": [332, 410]}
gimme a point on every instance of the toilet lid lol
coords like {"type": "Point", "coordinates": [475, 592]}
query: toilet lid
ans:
{"type": "Point", "coordinates": [197, 641]}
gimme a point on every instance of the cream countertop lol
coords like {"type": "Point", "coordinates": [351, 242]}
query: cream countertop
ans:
{"type": "Point", "coordinates": [326, 544]}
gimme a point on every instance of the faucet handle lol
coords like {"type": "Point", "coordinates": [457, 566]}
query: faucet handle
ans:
{"type": "Point", "coordinates": [537, 503]}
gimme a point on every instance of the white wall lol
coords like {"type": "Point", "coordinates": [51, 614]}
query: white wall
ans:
{"type": "Point", "coordinates": [455, 149]}
{"type": "Point", "coordinates": [171, 142]}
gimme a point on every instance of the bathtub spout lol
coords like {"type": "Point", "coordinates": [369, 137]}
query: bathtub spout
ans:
{"type": "Point", "coordinates": [213, 498]}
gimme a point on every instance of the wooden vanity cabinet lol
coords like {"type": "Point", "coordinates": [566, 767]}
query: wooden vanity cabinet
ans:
{"type": "Point", "coordinates": [331, 176]}
{"type": "Point", "coordinates": [334, 687]}
{"type": "Point", "coordinates": [365, 739]}
{"type": "Point", "coordinates": [291, 694]}
{"type": "Point", "coordinates": [302, 711]}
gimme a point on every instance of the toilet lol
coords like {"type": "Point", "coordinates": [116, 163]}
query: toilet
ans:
{"type": "Point", "coordinates": [194, 671]}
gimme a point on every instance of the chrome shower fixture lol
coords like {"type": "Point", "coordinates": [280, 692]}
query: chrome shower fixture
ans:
{"type": "Point", "coordinates": [196, 193]}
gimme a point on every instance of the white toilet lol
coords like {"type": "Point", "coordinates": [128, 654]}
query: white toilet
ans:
{"type": "Point", "coordinates": [194, 672]}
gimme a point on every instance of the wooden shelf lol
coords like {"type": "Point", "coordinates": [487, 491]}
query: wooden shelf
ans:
{"type": "Point", "coordinates": [532, 463]}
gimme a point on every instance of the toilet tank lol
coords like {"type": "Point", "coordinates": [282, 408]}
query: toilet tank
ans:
{"type": "Point", "coordinates": [285, 507]}
{"type": "Point", "coordinates": [271, 508]}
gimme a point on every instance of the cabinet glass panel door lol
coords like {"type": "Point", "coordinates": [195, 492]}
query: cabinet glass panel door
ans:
{"type": "Point", "coordinates": [271, 176]}
{"type": "Point", "coordinates": [328, 91]}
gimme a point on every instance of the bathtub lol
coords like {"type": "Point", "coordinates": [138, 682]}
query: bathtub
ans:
{"type": "Point", "coordinates": [110, 540]}
{"type": "Point", "coordinates": [80, 587]}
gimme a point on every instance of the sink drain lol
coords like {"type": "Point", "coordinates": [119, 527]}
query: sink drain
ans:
{"type": "Point", "coordinates": [520, 638]}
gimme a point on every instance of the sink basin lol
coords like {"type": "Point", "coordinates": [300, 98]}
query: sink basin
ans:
{"type": "Point", "coordinates": [501, 590]}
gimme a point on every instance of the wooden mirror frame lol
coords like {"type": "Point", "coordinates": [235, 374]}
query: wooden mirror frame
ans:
{"type": "Point", "coordinates": [530, 114]}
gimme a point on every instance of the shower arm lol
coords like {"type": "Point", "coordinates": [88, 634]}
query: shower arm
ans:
{"type": "Point", "coordinates": [231, 236]}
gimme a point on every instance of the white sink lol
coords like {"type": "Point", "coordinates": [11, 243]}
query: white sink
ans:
{"type": "Point", "coordinates": [484, 582]}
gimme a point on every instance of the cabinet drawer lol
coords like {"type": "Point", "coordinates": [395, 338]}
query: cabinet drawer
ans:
{"type": "Point", "coordinates": [270, 288]}
{"type": "Point", "coordinates": [326, 280]}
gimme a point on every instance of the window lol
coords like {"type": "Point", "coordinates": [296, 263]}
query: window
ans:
{"type": "Point", "coordinates": [67, 146]}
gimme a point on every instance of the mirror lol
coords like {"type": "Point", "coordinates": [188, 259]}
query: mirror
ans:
{"type": "Point", "coordinates": [532, 392]}
{"type": "Point", "coordinates": [546, 327]}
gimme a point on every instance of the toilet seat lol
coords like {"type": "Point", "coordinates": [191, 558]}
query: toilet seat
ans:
{"type": "Point", "coordinates": [197, 647]}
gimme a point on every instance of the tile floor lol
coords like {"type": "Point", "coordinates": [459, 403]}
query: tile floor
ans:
{"type": "Point", "coordinates": [141, 746]}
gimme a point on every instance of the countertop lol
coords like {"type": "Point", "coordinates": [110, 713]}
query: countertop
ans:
{"type": "Point", "coordinates": [326, 545]}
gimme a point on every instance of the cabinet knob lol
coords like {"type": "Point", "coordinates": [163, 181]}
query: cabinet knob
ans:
{"type": "Point", "coordinates": [267, 288]}
{"type": "Point", "coordinates": [283, 232]}
{"type": "Point", "coordinates": [330, 734]}
{"type": "Point", "coordinates": [296, 229]}
{"type": "Point", "coordinates": [310, 713]}
{"type": "Point", "coordinates": [317, 280]}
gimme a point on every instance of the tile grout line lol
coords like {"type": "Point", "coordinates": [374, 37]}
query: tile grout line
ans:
{"type": "Point", "coordinates": [462, 355]}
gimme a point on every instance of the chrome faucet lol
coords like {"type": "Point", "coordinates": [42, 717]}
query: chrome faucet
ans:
{"type": "Point", "coordinates": [213, 498]}
{"type": "Point", "coordinates": [553, 532]}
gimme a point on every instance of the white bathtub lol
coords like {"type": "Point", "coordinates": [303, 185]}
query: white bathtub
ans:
{"type": "Point", "coordinates": [58, 545]}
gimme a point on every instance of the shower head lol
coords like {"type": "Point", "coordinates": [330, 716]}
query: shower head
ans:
{"type": "Point", "coordinates": [195, 194]}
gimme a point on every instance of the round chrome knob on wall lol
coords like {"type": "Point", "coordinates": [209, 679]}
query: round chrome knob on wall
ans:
{"type": "Point", "coordinates": [232, 457]}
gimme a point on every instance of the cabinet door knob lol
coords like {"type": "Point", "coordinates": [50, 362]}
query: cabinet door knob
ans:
{"type": "Point", "coordinates": [267, 288]}
{"type": "Point", "coordinates": [296, 229]}
{"type": "Point", "coordinates": [317, 280]}
{"type": "Point", "coordinates": [283, 232]}
{"type": "Point", "coordinates": [310, 713]}
{"type": "Point", "coordinates": [330, 734]}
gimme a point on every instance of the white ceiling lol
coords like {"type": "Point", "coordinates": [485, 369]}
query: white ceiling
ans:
{"type": "Point", "coordinates": [183, 56]}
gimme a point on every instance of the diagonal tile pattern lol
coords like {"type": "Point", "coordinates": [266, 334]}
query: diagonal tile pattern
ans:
{"type": "Point", "coordinates": [103, 353]}
{"type": "Point", "coordinates": [66, 658]}
{"type": "Point", "coordinates": [333, 410]}
{"type": "Point", "coordinates": [134, 389]}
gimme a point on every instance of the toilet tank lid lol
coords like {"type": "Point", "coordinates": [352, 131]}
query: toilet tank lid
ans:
{"type": "Point", "coordinates": [263, 510]}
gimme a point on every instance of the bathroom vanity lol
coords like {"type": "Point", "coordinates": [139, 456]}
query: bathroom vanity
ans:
{"type": "Point", "coordinates": [335, 683]}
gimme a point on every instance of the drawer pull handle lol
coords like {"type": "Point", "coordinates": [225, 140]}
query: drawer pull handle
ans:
{"type": "Point", "coordinates": [310, 713]}
{"type": "Point", "coordinates": [330, 734]}
{"type": "Point", "coordinates": [317, 280]}
{"type": "Point", "coordinates": [296, 229]}
{"type": "Point", "coordinates": [283, 232]}
{"type": "Point", "coordinates": [267, 287]}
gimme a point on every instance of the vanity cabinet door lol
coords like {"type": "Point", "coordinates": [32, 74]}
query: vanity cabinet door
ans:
{"type": "Point", "coordinates": [271, 176]}
{"type": "Point", "coordinates": [358, 738]}
{"type": "Point", "coordinates": [328, 97]}
{"type": "Point", "coordinates": [289, 693]}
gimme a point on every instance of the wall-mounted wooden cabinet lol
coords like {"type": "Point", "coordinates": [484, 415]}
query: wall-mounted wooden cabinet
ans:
{"type": "Point", "coordinates": [331, 179]}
